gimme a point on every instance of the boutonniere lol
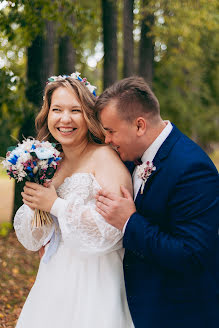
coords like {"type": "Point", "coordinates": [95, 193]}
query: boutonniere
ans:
{"type": "Point", "coordinates": [144, 171]}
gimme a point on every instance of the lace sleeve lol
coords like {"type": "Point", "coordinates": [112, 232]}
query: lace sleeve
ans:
{"type": "Point", "coordinates": [82, 227]}
{"type": "Point", "coordinates": [31, 238]}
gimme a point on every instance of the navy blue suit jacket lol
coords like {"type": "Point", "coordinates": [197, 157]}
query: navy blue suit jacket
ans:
{"type": "Point", "coordinates": [171, 262]}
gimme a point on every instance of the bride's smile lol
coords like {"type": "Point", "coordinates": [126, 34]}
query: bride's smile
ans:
{"type": "Point", "coordinates": [66, 130]}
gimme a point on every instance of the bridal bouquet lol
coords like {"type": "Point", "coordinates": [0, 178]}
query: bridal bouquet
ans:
{"type": "Point", "coordinates": [33, 161]}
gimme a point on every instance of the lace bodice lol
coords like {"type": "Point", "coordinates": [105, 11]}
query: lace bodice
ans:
{"type": "Point", "coordinates": [82, 227]}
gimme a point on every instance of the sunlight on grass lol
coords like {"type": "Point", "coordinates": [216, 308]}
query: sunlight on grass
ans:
{"type": "Point", "coordinates": [5, 228]}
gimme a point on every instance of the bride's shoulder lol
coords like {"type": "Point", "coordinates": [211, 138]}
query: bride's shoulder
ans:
{"type": "Point", "coordinates": [106, 155]}
{"type": "Point", "coordinates": [110, 171]}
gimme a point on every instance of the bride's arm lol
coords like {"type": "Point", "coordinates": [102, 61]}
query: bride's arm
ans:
{"type": "Point", "coordinates": [81, 225]}
{"type": "Point", "coordinates": [30, 237]}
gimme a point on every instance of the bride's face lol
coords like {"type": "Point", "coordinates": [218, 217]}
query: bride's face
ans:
{"type": "Point", "coordinates": [66, 121]}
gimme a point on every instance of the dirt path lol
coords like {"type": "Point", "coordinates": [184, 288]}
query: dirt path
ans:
{"type": "Point", "coordinates": [6, 198]}
{"type": "Point", "coordinates": [18, 269]}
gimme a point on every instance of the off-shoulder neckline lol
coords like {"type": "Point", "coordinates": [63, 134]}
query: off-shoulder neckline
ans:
{"type": "Point", "coordinates": [79, 173]}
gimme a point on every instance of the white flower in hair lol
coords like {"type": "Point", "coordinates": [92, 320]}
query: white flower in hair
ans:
{"type": "Point", "coordinates": [75, 76]}
{"type": "Point", "coordinates": [91, 88]}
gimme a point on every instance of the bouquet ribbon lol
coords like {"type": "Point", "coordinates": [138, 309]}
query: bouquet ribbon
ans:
{"type": "Point", "coordinates": [54, 238]}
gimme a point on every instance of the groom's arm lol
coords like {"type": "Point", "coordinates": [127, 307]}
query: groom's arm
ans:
{"type": "Point", "coordinates": [194, 216]}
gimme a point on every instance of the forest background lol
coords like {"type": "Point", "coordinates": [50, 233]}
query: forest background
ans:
{"type": "Point", "coordinates": [174, 45]}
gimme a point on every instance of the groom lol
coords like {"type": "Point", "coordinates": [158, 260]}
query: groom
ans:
{"type": "Point", "coordinates": [171, 262]}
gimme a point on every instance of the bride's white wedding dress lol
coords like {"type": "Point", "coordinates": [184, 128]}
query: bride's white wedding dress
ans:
{"type": "Point", "coordinates": [82, 284]}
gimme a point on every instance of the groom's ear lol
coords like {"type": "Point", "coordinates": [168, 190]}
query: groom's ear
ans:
{"type": "Point", "coordinates": [141, 125]}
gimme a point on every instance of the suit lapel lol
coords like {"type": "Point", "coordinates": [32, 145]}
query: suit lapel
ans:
{"type": "Point", "coordinates": [158, 161]}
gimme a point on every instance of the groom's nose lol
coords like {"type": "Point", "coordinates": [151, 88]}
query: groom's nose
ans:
{"type": "Point", "coordinates": [107, 139]}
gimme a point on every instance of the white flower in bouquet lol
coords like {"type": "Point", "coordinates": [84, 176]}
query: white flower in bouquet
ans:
{"type": "Point", "coordinates": [43, 164]}
{"type": "Point", "coordinates": [43, 152]}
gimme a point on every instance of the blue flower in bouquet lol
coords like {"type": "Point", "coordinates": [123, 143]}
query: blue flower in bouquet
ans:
{"type": "Point", "coordinates": [14, 156]}
{"type": "Point", "coordinates": [50, 160]}
{"type": "Point", "coordinates": [13, 159]}
{"type": "Point", "coordinates": [43, 153]}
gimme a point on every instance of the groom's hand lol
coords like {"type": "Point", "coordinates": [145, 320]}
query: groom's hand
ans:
{"type": "Point", "coordinates": [115, 209]}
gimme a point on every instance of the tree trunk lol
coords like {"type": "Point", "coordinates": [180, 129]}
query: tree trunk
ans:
{"type": "Point", "coordinates": [40, 65]}
{"type": "Point", "coordinates": [109, 19]}
{"type": "Point", "coordinates": [67, 54]}
{"type": "Point", "coordinates": [128, 45]}
{"type": "Point", "coordinates": [146, 48]}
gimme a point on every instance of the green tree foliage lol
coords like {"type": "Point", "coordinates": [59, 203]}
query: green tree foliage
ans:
{"type": "Point", "coordinates": [186, 67]}
{"type": "Point", "coordinates": [11, 92]}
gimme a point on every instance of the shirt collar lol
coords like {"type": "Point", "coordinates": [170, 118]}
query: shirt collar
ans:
{"type": "Point", "coordinates": [150, 153]}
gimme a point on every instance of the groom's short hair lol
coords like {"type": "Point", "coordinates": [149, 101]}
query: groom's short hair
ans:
{"type": "Point", "coordinates": [132, 97]}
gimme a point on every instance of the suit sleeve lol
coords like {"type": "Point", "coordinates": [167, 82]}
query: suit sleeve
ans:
{"type": "Point", "coordinates": [193, 214]}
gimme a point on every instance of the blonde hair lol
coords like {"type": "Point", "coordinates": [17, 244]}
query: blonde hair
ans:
{"type": "Point", "coordinates": [87, 101]}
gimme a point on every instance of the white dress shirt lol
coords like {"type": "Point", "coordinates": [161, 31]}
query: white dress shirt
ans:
{"type": "Point", "coordinates": [149, 155]}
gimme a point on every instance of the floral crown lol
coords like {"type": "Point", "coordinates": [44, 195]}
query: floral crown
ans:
{"type": "Point", "coordinates": [75, 76]}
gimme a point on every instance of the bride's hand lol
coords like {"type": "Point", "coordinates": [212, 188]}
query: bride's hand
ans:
{"type": "Point", "coordinates": [40, 197]}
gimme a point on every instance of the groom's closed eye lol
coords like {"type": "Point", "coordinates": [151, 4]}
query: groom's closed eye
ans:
{"type": "Point", "coordinates": [108, 130]}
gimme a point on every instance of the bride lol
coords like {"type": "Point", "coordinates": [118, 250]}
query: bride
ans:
{"type": "Point", "coordinates": [80, 280]}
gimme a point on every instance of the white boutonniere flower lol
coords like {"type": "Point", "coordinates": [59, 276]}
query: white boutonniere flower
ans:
{"type": "Point", "coordinates": [144, 171]}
